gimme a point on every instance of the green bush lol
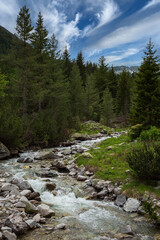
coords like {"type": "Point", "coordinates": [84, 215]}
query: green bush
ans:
{"type": "Point", "coordinates": [144, 159]}
{"type": "Point", "coordinates": [153, 134]}
{"type": "Point", "coordinates": [135, 131]}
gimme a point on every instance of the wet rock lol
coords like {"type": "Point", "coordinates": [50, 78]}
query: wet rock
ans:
{"type": "Point", "coordinates": [9, 187]}
{"type": "Point", "coordinates": [25, 160]}
{"type": "Point", "coordinates": [121, 236]}
{"type": "Point", "coordinates": [73, 173]}
{"type": "Point", "coordinates": [117, 191]}
{"type": "Point", "coordinates": [14, 153]}
{"type": "Point", "coordinates": [49, 174]}
{"type": "Point", "coordinates": [131, 205]}
{"type": "Point", "coordinates": [127, 230]}
{"type": "Point", "coordinates": [25, 192]}
{"type": "Point", "coordinates": [34, 195]}
{"type": "Point", "coordinates": [89, 174]}
{"type": "Point", "coordinates": [16, 224]}
{"type": "Point", "coordinates": [60, 165]}
{"type": "Point", "coordinates": [45, 211]}
{"type": "Point", "coordinates": [110, 188]}
{"type": "Point", "coordinates": [4, 152]}
{"type": "Point", "coordinates": [24, 185]}
{"type": "Point", "coordinates": [81, 137]}
{"type": "Point", "coordinates": [120, 200]}
{"type": "Point", "coordinates": [20, 205]}
{"type": "Point", "coordinates": [31, 223]}
{"type": "Point", "coordinates": [37, 218]}
{"type": "Point", "coordinates": [30, 208]}
{"type": "Point", "coordinates": [60, 226]}
{"type": "Point", "coordinates": [9, 236]}
{"type": "Point", "coordinates": [50, 186]}
{"type": "Point", "coordinates": [81, 178]}
{"type": "Point", "coordinates": [67, 151]}
{"type": "Point", "coordinates": [99, 185]}
{"type": "Point", "coordinates": [44, 155]}
{"type": "Point", "coordinates": [102, 194]}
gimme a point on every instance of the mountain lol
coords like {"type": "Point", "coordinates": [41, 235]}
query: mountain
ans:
{"type": "Point", "coordinates": [6, 38]}
{"type": "Point", "coordinates": [119, 69]}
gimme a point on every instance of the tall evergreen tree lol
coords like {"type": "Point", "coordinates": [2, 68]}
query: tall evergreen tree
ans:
{"type": "Point", "coordinates": [67, 65]}
{"type": "Point", "coordinates": [82, 68]}
{"type": "Point", "coordinates": [107, 108]}
{"type": "Point", "coordinates": [24, 29]}
{"type": "Point", "coordinates": [112, 82]}
{"type": "Point", "coordinates": [147, 108]}
{"type": "Point", "coordinates": [123, 94]}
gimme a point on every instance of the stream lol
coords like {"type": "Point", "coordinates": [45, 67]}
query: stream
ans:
{"type": "Point", "coordinates": [84, 219]}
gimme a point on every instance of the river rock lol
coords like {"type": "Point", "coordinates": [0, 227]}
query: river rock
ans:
{"type": "Point", "coordinates": [4, 152]}
{"type": "Point", "coordinates": [31, 223]}
{"type": "Point", "coordinates": [37, 218]}
{"type": "Point", "coordinates": [117, 191]}
{"type": "Point", "coordinates": [44, 155]}
{"type": "Point", "coordinates": [49, 174]}
{"type": "Point", "coordinates": [0, 236]}
{"type": "Point", "coordinates": [50, 186]}
{"type": "Point", "coordinates": [45, 210]}
{"type": "Point", "coordinates": [30, 208]}
{"type": "Point", "coordinates": [102, 193]}
{"type": "Point", "coordinates": [127, 230]}
{"type": "Point", "coordinates": [121, 236]}
{"type": "Point", "coordinates": [25, 185]}
{"type": "Point", "coordinates": [9, 236]}
{"type": "Point", "coordinates": [17, 224]}
{"type": "Point", "coordinates": [33, 195]}
{"type": "Point", "coordinates": [9, 187]}
{"type": "Point", "coordinates": [20, 205]}
{"type": "Point", "coordinates": [120, 200]}
{"type": "Point", "coordinates": [81, 178]}
{"type": "Point", "coordinates": [60, 165]}
{"type": "Point", "coordinates": [25, 192]}
{"type": "Point", "coordinates": [67, 151]}
{"type": "Point", "coordinates": [81, 137]}
{"type": "Point", "coordinates": [131, 205]}
{"type": "Point", "coordinates": [25, 160]}
{"type": "Point", "coordinates": [60, 226]}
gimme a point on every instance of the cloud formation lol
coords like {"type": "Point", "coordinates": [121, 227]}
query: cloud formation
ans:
{"type": "Point", "coordinates": [121, 55]}
{"type": "Point", "coordinates": [151, 3]}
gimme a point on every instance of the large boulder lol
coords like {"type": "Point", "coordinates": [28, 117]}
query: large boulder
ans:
{"type": "Point", "coordinates": [120, 200]}
{"type": "Point", "coordinates": [47, 174]}
{"type": "Point", "coordinates": [60, 165]}
{"type": "Point", "coordinates": [131, 205]}
{"type": "Point", "coordinates": [29, 207]}
{"type": "Point", "coordinates": [4, 152]}
{"type": "Point", "coordinates": [45, 155]}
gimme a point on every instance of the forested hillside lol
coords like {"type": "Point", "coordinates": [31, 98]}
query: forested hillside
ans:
{"type": "Point", "coordinates": [44, 94]}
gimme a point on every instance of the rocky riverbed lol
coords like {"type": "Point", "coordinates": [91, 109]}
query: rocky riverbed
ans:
{"type": "Point", "coordinates": [45, 195]}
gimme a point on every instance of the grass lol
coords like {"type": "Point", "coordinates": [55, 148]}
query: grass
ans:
{"type": "Point", "coordinates": [111, 165]}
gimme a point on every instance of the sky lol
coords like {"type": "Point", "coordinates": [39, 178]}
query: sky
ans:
{"type": "Point", "coordinates": [116, 29]}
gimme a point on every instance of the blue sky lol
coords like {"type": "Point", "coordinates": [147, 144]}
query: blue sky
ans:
{"type": "Point", "coordinates": [116, 29]}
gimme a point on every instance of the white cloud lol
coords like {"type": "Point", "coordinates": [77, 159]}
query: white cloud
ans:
{"type": "Point", "coordinates": [122, 55]}
{"type": "Point", "coordinates": [151, 3]}
{"type": "Point", "coordinates": [8, 14]}
{"type": "Point", "coordinates": [144, 28]}
{"type": "Point", "coordinates": [109, 12]}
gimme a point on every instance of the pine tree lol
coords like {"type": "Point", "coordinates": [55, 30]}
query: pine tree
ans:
{"type": "Point", "coordinates": [147, 108]}
{"type": "Point", "coordinates": [101, 78]}
{"type": "Point", "coordinates": [39, 42]}
{"type": "Point", "coordinates": [123, 94]}
{"type": "Point", "coordinates": [107, 108]}
{"type": "Point", "coordinates": [67, 65]}
{"type": "Point", "coordinates": [23, 54]}
{"type": "Point", "coordinates": [82, 68]}
{"type": "Point", "coordinates": [91, 98]}
{"type": "Point", "coordinates": [112, 82]}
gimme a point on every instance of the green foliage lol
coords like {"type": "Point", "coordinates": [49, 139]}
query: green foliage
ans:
{"type": "Point", "coordinates": [146, 108]}
{"type": "Point", "coordinates": [135, 131]}
{"type": "Point", "coordinates": [144, 160]}
{"type": "Point", "coordinates": [3, 84]}
{"type": "Point", "coordinates": [107, 108]}
{"type": "Point", "coordinates": [152, 211]}
{"type": "Point", "coordinates": [153, 134]}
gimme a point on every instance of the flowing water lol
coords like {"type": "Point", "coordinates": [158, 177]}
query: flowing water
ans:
{"type": "Point", "coordinates": [84, 219]}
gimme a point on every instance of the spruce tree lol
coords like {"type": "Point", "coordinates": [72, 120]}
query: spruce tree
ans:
{"type": "Point", "coordinates": [67, 65]}
{"type": "Point", "coordinates": [147, 108]}
{"type": "Point", "coordinates": [82, 68]}
{"type": "Point", "coordinates": [107, 108]}
{"type": "Point", "coordinates": [23, 54]}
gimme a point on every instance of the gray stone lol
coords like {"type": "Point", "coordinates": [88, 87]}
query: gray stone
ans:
{"type": "Point", "coordinates": [131, 205]}
{"type": "Point", "coordinates": [45, 210]}
{"type": "Point", "coordinates": [37, 218]}
{"type": "Point", "coordinates": [31, 223]}
{"type": "Point", "coordinates": [120, 200]}
{"type": "Point", "coordinates": [4, 152]}
{"type": "Point", "coordinates": [9, 187]}
{"type": "Point", "coordinates": [24, 185]}
{"type": "Point", "coordinates": [117, 191]}
{"type": "Point", "coordinates": [102, 193]}
{"type": "Point", "coordinates": [60, 226]}
{"type": "Point", "coordinates": [86, 155]}
{"type": "Point", "coordinates": [67, 152]}
{"type": "Point", "coordinates": [81, 178]}
{"type": "Point", "coordinates": [44, 155]}
{"type": "Point", "coordinates": [49, 174]}
{"type": "Point", "coordinates": [25, 192]}
{"type": "Point", "coordinates": [5, 228]}
{"type": "Point", "coordinates": [0, 236]}
{"type": "Point", "coordinates": [30, 208]}
{"type": "Point", "coordinates": [20, 205]}
{"type": "Point", "coordinates": [60, 165]}
{"type": "Point", "coordinates": [9, 236]}
{"type": "Point", "coordinates": [127, 230]}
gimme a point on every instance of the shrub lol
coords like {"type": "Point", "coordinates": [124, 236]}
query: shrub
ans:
{"type": "Point", "coordinates": [153, 134]}
{"type": "Point", "coordinates": [135, 131]}
{"type": "Point", "coordinates": [145, 161]}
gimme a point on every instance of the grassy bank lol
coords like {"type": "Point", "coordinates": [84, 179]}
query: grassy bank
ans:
{"type": "Point", "coordinates": [109, 163]}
